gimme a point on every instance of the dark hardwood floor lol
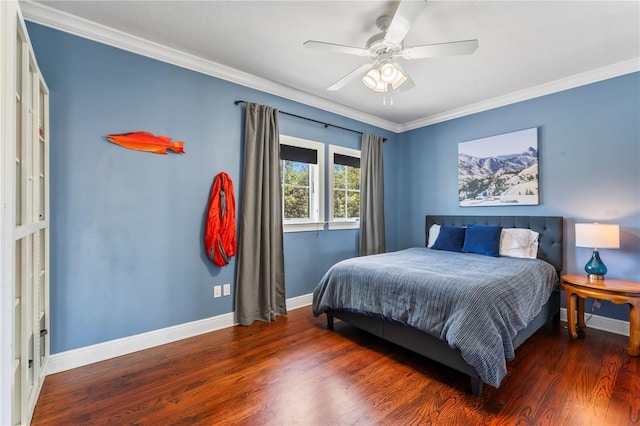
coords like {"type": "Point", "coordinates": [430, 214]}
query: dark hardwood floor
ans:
{"type": "Point", "coordinates": [295, 372]}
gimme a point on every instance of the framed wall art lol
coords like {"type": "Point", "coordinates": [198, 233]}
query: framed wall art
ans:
{"type": "Point", "coordinates": [499, 170]}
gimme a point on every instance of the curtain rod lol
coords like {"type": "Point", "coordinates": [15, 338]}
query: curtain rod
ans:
{"type": "Point", "coordinates": [311, 119]}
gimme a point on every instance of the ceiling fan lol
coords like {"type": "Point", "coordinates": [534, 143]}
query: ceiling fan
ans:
{"type": "Point", "coordinates": [383, 73]}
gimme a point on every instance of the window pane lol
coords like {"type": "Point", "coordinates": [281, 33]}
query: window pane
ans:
{"type": "Point", "coordinates": [353, 204]}
{"type": "Point", "coordinates": [338, 176]}
{"type": "Point", "coordinates": [296, 203]}
{"type": "Point", "coordinates": [353, 178]}
{"type": "Point", "coordinates": [345, 177]}
{"type": "Point", "coordinates": [296, 173]}
{"type": "Point", "coordinates": [339, 204]}
{"type": "Point", "coordinates": [302, 176]}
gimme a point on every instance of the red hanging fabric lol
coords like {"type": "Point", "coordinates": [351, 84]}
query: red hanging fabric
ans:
{"type": "Point", "coordinates": [220, 236]}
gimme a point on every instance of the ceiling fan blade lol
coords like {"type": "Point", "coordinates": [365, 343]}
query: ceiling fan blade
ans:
{"type": "Point", "coordinates": [466, 47]}
{"type": "Point", "coordinates": [349, 77]}
{"type": "Point", "coordinates": [402, 19]}
{"type": "Point", "coordinates": [337, 48]}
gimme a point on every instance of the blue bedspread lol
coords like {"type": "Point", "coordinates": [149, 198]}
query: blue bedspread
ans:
{"type": "Point", "coordinates": [476, 303]}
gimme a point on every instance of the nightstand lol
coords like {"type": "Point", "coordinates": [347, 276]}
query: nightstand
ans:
{"type": "Point", "coordinates": [579, 287]}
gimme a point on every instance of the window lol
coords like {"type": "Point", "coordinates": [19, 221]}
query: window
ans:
{"type": "Point", "coordinates": [302, 177]}
{"type": "Point", "coordinates": [344, 181]}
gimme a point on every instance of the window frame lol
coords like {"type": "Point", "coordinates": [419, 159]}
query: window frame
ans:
{"type": "Point", "coordinates": [340, 223]}
{"type": "Point", "coordinates": [316, 177]}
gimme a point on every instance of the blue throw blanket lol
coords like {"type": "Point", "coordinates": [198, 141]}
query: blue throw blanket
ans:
{"type": "Point", "coordinates": [476, 303]}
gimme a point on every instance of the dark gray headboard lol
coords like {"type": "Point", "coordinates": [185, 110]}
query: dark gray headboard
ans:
{"type": "Point", "coordinates": [550, 229]}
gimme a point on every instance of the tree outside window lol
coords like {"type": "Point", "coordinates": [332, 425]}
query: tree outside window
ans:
{"type": "Point", "coordinates": [302, 179]}
{"type": "Point", "coordinates": [296, 189]}
{"type": "Point", "coordinates": [344, 202]}
{"type": "Point", "coordinates": [346, 192]}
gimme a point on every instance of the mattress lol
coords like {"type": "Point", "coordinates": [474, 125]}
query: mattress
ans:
{"type": "Point", "coordinates": [475, 303]}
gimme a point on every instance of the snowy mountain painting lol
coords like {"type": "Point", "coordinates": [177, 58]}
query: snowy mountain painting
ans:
{"type": "Point", "coordinates": [499, 170]}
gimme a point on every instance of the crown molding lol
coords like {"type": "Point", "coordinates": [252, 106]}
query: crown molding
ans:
{"type": "Point", "coordinates": [62, 21]}
{"type": "Point", "coordinates": [582, 79]}
{"type": "Point", "coordinates": [47, 16]}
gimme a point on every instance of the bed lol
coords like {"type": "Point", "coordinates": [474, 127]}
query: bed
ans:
{"type": "Point", "coordinates": [467, 318]}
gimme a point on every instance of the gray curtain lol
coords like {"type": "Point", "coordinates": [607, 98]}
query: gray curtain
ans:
{"type": "Point", "coordinates": [260, 293]}
{"type": "Point", "coordinates": [371, 196]}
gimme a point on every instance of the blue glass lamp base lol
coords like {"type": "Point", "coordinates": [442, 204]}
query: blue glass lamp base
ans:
{"type": "Point", "coordinates": [595, 267]}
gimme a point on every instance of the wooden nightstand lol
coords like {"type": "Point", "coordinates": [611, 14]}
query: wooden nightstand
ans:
{"type": "Point", "coordinates": [579, 287]}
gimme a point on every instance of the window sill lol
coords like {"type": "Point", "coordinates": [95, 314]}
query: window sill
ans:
{"type": "Point", "coordinates": [303, 227]}
{"type": "Point", "coordinates": [334, 226]}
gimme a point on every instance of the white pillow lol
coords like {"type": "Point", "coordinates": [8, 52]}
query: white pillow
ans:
{"type": "Point", "coordinates": [433, 234]}
{"type": "Point", "coordinates": [519, 242]}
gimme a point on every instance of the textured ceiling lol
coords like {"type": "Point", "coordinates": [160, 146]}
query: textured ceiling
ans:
{"type": "Point", "coordinates": [523, 44]}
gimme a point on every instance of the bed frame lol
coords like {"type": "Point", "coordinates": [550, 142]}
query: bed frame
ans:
{"type": "Point", "coordinates": [550, 240]}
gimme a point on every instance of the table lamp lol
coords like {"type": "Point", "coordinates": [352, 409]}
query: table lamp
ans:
{"type": "Point", "coordinates": [597, 236]}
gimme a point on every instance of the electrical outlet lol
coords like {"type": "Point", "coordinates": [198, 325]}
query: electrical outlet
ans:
{"type": "Point", "coordinates": [217, 291]}
{"type": "Point", "coordinates": [226, 290]}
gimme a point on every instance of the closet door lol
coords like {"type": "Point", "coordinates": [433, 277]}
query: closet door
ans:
{"type": "Point", "coordinates": [25, 222]}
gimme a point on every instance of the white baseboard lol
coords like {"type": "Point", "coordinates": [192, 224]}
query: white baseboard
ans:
{"type": "Point", "coordinates": [299, 302]}
{"type": "Point", "coordinates": [602, 323]}
{"type": "Point", "coordinates": [102, 351]}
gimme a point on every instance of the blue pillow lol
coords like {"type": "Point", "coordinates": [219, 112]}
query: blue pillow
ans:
{"type": "Point", "coordinates": [482, 239]}
{"type": "Point", "coordinates": [450, 238]}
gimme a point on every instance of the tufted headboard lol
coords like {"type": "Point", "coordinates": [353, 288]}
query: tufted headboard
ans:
{"type": "Point", "coordinates": [550, 229]}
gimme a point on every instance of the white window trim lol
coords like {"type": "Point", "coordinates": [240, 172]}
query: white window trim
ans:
{"type": "Point", "coordinates": [336, 224]}
{"type": "Point", "coordinates": [297, 225]}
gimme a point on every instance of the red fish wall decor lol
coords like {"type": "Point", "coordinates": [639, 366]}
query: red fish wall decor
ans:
{"type": "Point", "coordinates": [145, 141]}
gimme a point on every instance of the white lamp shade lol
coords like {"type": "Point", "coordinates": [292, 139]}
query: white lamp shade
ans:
{"type": "Point", "coordinates": [388, 72]}
{"type": "Point", "coordinates": [597, 235]}
{"type": "Point", "coordinates": [379, 79]}
{"type": "Point", "coordinates": [400, 78]}
{"type": "Point", "coordinates": [381, 87]}
{"type": "Point", "coordinates": [371, 78]}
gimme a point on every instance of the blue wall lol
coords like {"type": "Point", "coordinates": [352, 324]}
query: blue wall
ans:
{"type": "Point", "coordinates": [127, 254]}
{"type": "Point", "coordinates": [589, 154]}
{"type": "Point", "coordinates": [127, 251]}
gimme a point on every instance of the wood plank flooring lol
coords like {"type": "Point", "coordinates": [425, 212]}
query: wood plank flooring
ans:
{"type": "Point", "coordinates": [295, 372]}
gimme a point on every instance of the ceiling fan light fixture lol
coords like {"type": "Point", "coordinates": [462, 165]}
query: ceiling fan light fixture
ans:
{"type": "Point", "coordinates": [384, 77]}
{"type": "Point", "coordinates": [388, 72]}
{"type": "Point", "coordinates": [381, 87]}
{"type": "Point", "coordinates": [400, 78]}
{"type": "Point", "coordinates": [371, 79]}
